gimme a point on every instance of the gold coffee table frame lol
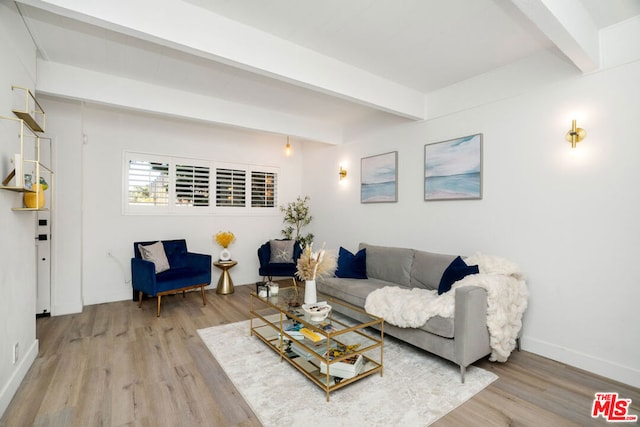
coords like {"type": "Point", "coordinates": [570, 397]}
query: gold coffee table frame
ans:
{"type": "Point", "coordinates": [267, 316]}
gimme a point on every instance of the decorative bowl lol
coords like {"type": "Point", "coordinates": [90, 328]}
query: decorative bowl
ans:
{"type": "Point", "coordinates": [317, 312]}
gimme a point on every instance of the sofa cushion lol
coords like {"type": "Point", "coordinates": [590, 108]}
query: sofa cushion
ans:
{"type": "Point", "coordinates": [281, 251]}
{"type": "Point", "coordinates": [441, 326]}
{"type": "Point", "coordinates": [351, 291]}
{"type": "Point", "coordinates": [389, 264]}
{"type": "Point", "coordinates": [352, 266]}
{"type": "Point", "coordinates": [428, 268]}
{"type": "Point", "coordinates": [457, 270]}
{"type": "Point", "coordinates": [155, 253]}
{"type": "Point", "coordinates": [180, 278]}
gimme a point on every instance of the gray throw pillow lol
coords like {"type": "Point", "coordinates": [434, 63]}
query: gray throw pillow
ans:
{"type": "Point", "coordinates": [281, 251]}
{"type": "Point", "coordinates": [155, 254]}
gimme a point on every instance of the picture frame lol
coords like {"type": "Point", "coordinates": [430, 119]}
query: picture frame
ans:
{"type": "Point", "coordinates": [453, 169]}
{"type": "Point", "coordinates": [379, 178]}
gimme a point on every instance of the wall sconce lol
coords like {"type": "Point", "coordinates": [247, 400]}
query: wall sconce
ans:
{"type": "Point", "coordinates": [342, 173]}
{"type": "Point", "coordinates": [576, 134]}
{"type": "Point", "coordinates": [288, 150]}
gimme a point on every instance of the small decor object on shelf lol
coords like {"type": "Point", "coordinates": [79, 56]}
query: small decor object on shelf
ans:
{"type": "Point", "coordinates": [312, 336]}
{"type": "Point", "coordinates": [317, 312]}
{"type": "Point", "coordinates": [262, 289]}
{"type": "Point", "coordinates": [310, 292]}
{"type": "Point", "coordinates": [28, 184]}
{"type": "Point", "coordinates": [35, 200]}
{"type": "Point", "coordinates": [224, 239]}
{"type": "Point", "coordinates": [273, 288]}
{"type": "Point", "coordinates": [311, 265]}
{"type": "Point", "coordinates": [348, 368]}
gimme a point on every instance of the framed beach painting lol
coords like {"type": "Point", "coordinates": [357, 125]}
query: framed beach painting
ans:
{"type": "Point", "coordinates": [453, 169]}
{"type": "Point", "coordinates": [379, 178]}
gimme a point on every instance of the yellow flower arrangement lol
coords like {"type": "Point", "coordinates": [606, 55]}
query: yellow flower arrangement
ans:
{"type": "Point", "coordinates": [225, 238]}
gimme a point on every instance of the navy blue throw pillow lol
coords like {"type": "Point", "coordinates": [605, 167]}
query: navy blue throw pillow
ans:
{"type": "Point", "coordinates": [457, 270]}
{"type": "Point", "coordinates": [352, 266]}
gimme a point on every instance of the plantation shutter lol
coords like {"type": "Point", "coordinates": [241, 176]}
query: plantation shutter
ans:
{"type": "Point", "coordinates": [148, 183]}
{"type": "Point", "coordinates": [192, 186]}
{"type": "Point", "coordinates": [263, 189]}
{"type": "Point", "coordinates": [230, 187]}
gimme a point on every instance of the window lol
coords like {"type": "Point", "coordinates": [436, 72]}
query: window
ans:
{"type": "Point", "coordinates": [192, 186]}
{"type": "Point", "coordinates": [155, 184]}
{"type": "Point", "coordinates": [148, 183]}
{"type": "Point", "coordinates": [263, 189]}
{"type": "Point", "coordinates": [230, 187]}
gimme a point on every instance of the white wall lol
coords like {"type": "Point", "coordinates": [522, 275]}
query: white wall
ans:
{"type": "Point", "coordinates": [91, 179]}
{"type": "Point", "coordinates": [17, 248]}
{"type": "Point", "coordinates": [567, 217]}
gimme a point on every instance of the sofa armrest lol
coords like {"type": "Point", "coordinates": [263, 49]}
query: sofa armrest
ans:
{"type": "Point", "coordinates": [143, 276]}
{"type": "Point", "coordinates": [471, 334]}
{"type": "Point", "coordinates": [264, 254]}
{"type": "Point", "coordinates": [200, 262]}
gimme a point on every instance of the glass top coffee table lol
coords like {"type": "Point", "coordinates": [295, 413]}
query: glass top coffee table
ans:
{"type": "Point", "coordinates": [333, 352]}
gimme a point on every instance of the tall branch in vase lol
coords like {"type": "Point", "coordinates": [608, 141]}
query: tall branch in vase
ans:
{"type": "Point", "coordinates": [297, 215]}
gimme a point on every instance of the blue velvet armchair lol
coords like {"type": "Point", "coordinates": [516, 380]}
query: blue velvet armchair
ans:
{"type": "Point", "coordinates": [186, 271]}
{"type": "Point", "coordinates": [279, 269]}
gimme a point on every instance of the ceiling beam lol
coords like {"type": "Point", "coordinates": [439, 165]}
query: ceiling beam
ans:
{"type": "Point", "coordinates": [569, 26]}
{"type": "Point", "coordinates": [77, 83]}
{"type": "Point", "coordinates": [188, 28]}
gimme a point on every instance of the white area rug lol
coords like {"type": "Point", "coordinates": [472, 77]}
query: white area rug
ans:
{"type": "Point", "coordinates": [416, 389]}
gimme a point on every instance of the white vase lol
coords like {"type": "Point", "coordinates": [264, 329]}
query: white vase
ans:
{"type": "Point", "coordinates": [225, 255]}
{"type": "Point", "coordinates": [310, 292]}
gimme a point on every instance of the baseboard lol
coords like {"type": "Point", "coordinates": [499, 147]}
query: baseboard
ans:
{"type": "Point", "coordinates": [606, 368]}
{"type": "Point", "coordinates": [9, 389]}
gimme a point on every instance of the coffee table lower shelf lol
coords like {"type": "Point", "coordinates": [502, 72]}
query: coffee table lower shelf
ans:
{"type": "Point", "coordinates": [267, 324]}
{"type": "Point", "coordinates": [310, 368]}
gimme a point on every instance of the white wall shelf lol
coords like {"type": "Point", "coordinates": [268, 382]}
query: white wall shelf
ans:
{"type": "Point", "coordinates": [27, 162]}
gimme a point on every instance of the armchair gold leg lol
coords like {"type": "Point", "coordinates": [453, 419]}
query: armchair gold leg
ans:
{"type": "Point", "coordinates": [204, 300]}
{"type": "Point", "coordinates": [139, 299]}
{"type": "Point", "coordinates": [159, 300]}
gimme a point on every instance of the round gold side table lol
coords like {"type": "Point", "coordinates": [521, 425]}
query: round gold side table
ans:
{"type": "Point", "coordinates": [225, 284]}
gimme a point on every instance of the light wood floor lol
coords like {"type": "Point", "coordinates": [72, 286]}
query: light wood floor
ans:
{"type": "Point", "coordinates": [116, 365]}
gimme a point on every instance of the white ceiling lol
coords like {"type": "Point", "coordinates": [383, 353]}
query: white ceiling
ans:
{"type": "Point", "coordinates": [417, 46]}
{"type": "Point", "coordinates": [424, 45]}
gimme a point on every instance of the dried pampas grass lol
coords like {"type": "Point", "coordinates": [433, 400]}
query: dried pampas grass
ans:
{"type": "Point", "coordinates": [313, 265]}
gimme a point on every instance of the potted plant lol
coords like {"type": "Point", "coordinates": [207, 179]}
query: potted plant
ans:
{"type": "Point", "coordinates": [297, 216]}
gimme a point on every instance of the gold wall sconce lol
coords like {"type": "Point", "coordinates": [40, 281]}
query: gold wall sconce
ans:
{"type": "Point", "coordinates": [288, 150]}
{"type": "Point", "coordinates": [576, 134]}
{"type": "Point", "coordinates": [342, 173]}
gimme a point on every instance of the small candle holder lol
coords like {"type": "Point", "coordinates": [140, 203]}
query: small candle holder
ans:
{"type": "Point", "coordinates": [273, 289]}
{"type": "Point", "coordinates": [262, 289]}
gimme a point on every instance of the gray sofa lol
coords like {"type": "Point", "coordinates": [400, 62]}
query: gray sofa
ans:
{"type": "Point", "coordinates": [462, 340]}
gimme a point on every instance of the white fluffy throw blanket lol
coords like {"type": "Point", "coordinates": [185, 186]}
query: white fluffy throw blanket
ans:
{"type": "Point", "coordinates": [507, 296]}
